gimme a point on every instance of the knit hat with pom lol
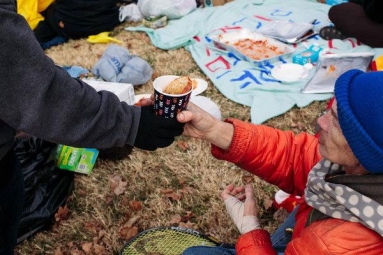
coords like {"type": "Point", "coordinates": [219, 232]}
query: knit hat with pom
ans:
{"type": "Point", "coordinates": [359, 98]}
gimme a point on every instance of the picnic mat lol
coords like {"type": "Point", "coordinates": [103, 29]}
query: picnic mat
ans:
{"type": "Point", "coordinates": [239, 80]}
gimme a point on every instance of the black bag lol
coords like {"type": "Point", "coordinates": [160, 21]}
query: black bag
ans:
{"type": "Point", "coordinates": [46, 186]}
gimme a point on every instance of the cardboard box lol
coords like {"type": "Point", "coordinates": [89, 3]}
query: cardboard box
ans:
{"type": "Point", "coordinates": [79, 160]}
{"type": "Point", "coordinates": [124, 91]}
{"type": "Point", "coordinates": [310, 55]}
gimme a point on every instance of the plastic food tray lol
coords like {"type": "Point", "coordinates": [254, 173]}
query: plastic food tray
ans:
{"type": "Point", "coordinates": [226, 41]}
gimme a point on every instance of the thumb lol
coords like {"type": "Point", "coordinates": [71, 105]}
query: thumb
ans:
{"type": "Point", "coordinates": [185, 116]}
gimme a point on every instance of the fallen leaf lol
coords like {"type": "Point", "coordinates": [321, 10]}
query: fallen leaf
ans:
{"type": "Point", "coordinates": [182, 181]}
{"type": "Point", "coordinates": [183, 145]}
{"type": "Point", "coordinates": [175, 219]}
{"type": "Point", "coordinates": [117, 185]}
{"type": "Point", "coordinates": [188, 225]}
{"type": "Point", "coordinates": [128, 232]}
{"type": "Point", "coordinates": [173, 196]}
{"type": "Point", "coordinates": [108, 199]}
{"type": "Point", "coordinates": [267, 203]}
{"type": "Point", "coordinates": [99, 250]}
{"type": "Point", "coordinates": [124, 202]}
{"type": "Point", "coordinates": [187, 216]}
{"type": "Point", "coordinates": [167, 191]}
{"type": "Point", "coordinates": [75, 251]}
{"type": "Point", "coordinates": [131, 221]}
{"type": "Point", "coordinates": [135, 205]}
{"type": "Point", "coordinates": [58, 252]}
{"type": "Point", "coordinates": [81, 192]}
{"type": "Point", "coordinates": [101, 234]}
{"type": "Point", "coordinates": [248, 179]}
{"type": "Point", "coordinates": [93, 226]}
{"type": "Point", "coordinates": [120, 188]}
{"type": "Point", "coordinates": [187, 189]}
{"type": "Point", "coordinates": [87, 247]}
{"type": "Point", "coordinates": [62, 213]}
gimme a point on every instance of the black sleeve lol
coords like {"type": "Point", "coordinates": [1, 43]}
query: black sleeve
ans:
{"type": "Point", "coordinates": [43, 100]}
{"type": "Point", "coordinates": [374, 10]}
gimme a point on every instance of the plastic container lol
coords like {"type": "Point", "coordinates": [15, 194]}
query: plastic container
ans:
{"type": "Point", "coordinates": [228, 41]}
{"type": "Point", "coordinates": [335, 2]}
{"type": "Point", "coordinates": [310, 55]}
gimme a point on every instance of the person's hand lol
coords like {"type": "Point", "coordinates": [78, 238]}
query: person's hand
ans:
{"type": "Point", "coordinates": [199, 122]}
{"type": "Point", "coordinates": [202, 125]}
{"type": "Point", "coordinates": [241, 206]}
{"type": "Point", "coordinates": [155, 131]}
{"type": "Point", "coordinates": [145, 101]}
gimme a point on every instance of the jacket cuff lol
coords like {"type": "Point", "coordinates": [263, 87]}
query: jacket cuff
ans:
{"type": "Point", "coordinates": [255, 242]}
{"type": "Point", "coordinates": [241, 138]}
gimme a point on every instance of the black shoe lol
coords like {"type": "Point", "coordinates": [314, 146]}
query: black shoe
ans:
{"type": "Point", "coordinates": [330, 32]}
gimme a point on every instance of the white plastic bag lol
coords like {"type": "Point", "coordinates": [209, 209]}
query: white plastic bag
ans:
{"type": "Point", "coordinates": [172, 9]}
{"type": "Point", "coordinates": [130, 12]}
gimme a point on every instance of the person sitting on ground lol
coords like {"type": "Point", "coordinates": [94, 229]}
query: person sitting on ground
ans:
{"type": "Point", "coordinates": [75, 19]}
{"type": "Point", "coordinates": [339, 174]}
{"type": "Point", "coordinates": [362, 21]}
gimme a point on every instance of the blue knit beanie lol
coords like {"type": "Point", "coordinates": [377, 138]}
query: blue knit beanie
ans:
{"type": "Point", "coordinates": [359, 97]}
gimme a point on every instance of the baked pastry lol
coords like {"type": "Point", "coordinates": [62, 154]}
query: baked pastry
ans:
{"type": "Point", "coordinates": [181, 85]}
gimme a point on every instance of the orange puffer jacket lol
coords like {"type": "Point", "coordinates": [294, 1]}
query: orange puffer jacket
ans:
{"type": "Point", "coordinates": [283, 159]}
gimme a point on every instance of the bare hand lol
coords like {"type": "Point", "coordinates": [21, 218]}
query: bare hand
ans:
{"type": "Point", "coordinates": [202, 125]}
{"type": "Point", "coordinates": [198, 122]}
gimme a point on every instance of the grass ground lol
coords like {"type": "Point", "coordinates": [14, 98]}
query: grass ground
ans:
{"type": "Point", "coordinates": [177, 185]}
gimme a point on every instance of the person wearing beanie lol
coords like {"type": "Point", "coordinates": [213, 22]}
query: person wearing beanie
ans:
{"type": "Point", "coordinates": [338, 175]}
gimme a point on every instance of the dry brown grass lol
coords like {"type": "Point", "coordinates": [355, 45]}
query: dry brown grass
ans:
{"type": "Point", "coordinates": [96, 214]}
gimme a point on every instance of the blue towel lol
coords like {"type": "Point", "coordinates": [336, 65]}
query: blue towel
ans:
{"type": "Point", "coordinates": [239, 80]}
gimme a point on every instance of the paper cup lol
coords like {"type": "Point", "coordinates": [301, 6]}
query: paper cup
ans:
{"type": "Point", "coordinates": [168, 105]}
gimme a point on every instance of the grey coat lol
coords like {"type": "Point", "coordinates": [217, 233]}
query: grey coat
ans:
{"type": "Point", "coordinates": [41, 99]}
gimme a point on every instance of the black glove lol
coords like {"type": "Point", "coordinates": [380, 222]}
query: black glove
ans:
{"type": "Point", "coordinates": [155, 131]}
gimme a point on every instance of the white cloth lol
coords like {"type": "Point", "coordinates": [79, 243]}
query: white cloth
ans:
{"type": "Point", "coordinates": [236, 208]}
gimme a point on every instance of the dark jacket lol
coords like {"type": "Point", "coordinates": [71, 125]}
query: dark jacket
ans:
{"type": "Point", "coordinates": [41, 99]}
{"type": "Point", "coordinates": [81, 18]}
{"type": "Point", "coordinates": [374, 10]}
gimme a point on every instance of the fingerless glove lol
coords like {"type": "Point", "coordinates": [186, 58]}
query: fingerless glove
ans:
{"type": "Point", "coordinates": [155, 131]}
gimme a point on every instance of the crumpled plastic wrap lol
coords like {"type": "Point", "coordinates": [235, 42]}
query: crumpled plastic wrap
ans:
{"type": "Point", "coordinates": [287, 31]}
{"type": "Point", "coordinates": [118, 65]}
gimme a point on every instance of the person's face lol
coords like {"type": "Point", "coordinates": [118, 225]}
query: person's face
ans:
{"type": "Point", "coordinates": [333, 145]}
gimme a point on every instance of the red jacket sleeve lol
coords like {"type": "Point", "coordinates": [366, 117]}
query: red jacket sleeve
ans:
{"type": "Point", "coordinates": [278, 157]}
{"type": "Point", "coordinates": [255, 242]}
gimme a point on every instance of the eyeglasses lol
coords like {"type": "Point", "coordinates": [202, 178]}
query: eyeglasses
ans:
{"type": "Point", "coordinates": [324, 112]}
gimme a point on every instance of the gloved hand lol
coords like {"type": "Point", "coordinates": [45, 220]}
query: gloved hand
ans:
{"type": "Point", "coordinates": [242, 213]}
{"type": "Point", "coordinates": [155, 131]}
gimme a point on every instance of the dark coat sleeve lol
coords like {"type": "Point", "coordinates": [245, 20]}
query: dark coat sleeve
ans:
{"type": "Point", "coordinates": [374, 10]}
{"type": "Point", "coordinates": [41, 99]}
